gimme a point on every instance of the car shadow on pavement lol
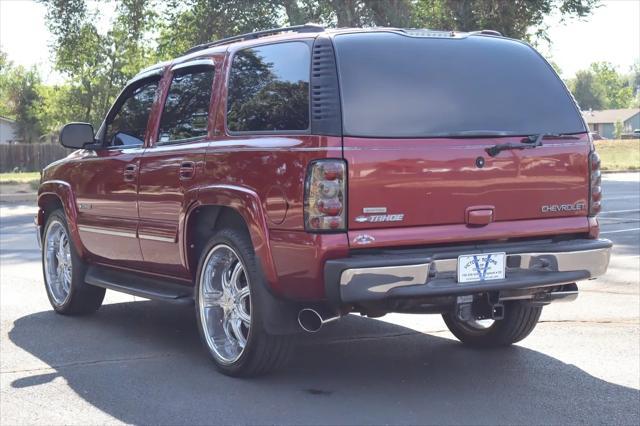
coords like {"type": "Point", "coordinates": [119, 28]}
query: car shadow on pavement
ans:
{"type": "Point", "coordinates": [142, 362]}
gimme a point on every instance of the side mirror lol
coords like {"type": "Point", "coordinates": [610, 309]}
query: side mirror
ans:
{"type": "Point", "coordinates": [77, 135]}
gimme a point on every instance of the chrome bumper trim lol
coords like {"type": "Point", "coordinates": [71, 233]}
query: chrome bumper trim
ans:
{"type": "Point", "coordinates": [594, 262]}
{"type": "Point", "coordinates": [404, 275]}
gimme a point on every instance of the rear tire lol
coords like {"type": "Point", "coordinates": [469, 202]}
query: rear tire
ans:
{"type": "Point", "coordinates": [228, 313]}
{"type": "Point", "coordinates": [519, 320]}
{"type": "Point", "coordinates": [64, 271]}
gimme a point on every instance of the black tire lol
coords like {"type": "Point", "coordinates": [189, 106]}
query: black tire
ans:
{"type": "Point", "coordinates": [81, 298]}
{"type": "Point", "coordinates": [262, 352]}
{"type": "Point", "coordinates": [519, 320]}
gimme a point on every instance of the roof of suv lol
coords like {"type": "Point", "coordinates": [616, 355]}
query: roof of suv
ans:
{"type": "Point", "coordinates": [299, 32]}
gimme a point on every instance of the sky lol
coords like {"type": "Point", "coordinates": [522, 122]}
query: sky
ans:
{"type": "Point", "coordinates": [611, 33]}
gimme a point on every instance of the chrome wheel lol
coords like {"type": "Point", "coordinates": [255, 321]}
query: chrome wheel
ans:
{"type": "Point", "coordinates": [57, 262]}
{"type": "Point", "coordinates": [224, 302]}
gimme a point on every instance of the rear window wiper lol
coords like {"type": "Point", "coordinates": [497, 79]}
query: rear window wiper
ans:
{"type": "Point", "coordinates": [529, 142]}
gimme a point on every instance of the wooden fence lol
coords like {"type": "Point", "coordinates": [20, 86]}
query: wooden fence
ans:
{"type": "Point", "coordinates": [29, 157]}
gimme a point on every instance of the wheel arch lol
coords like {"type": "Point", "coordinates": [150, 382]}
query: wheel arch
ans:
{"type": "Point", "coordinates": [55, 194]}
{"type": "Point", "coordinates": [227, 206]}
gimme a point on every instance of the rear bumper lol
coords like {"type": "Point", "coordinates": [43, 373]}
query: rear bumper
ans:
{"type": "Point", "coordinates": [415, 273]}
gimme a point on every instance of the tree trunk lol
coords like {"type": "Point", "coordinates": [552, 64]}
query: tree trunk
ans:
{"type": "Point", "coordinates": [345, 11]}
{"type": "Point", "coordinates": [294, 14]}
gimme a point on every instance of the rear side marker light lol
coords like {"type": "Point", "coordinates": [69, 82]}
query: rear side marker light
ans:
{"type": "Point", "coordinates": [325, 196]}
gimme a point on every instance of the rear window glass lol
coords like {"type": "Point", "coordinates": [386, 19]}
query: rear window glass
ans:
{"type": "Point", "coordinates": [394, 85]}
{"type": "Point", "coordinates": [269, 89]}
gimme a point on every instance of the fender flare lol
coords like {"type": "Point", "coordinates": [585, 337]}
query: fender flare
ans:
{"type": "Point", "coordinates": [62, 191]}
{"type": "Point", "coordinates": [247, 204]}
{"type": "Point", "coordinates": [280, 315]}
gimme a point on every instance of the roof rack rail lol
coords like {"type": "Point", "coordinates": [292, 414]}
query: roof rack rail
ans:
{"type": "Point", "coordinates": [305, 28]}
{"type": "Point", "coordinates": [487, 32]}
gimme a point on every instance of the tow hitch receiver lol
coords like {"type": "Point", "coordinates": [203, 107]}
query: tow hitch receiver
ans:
{"type": "Point", "coordinates": [478, 308]}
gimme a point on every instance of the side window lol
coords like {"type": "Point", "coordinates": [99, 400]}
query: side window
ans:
{"type": "Point", "coordinates": [186, 109]}
{"type": "Point", "coordinates": [129, 124]}
{"type": "Point", "coordinates": [269, 88]}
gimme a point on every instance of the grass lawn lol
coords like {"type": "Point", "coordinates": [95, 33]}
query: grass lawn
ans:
{"type": "Point", "coordinates": [20, 181]}
{"type": "Point", "coordinates": [15, 178]}
{"type": "Point", "coordinates": [623, 154]}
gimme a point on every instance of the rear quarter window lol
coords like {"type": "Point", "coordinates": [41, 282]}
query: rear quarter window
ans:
{"type": "Point", "coordinates": [394, 85]}
{"type": "Point", "coordinates": [268, 89]}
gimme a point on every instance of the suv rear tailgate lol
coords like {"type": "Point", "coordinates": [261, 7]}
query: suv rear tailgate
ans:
{"type": "Point", "coordinates": [434, 182]}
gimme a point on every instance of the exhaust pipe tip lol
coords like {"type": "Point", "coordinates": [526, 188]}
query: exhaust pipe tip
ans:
{"type": "Point", "coordinates": [310, 320]}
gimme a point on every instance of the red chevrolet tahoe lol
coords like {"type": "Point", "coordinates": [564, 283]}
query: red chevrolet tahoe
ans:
{"type": "Point", "coordinates": [281, 179]}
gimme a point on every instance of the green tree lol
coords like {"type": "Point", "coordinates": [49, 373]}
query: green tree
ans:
{"type": "Point", "coordinates": [588, 91]}
{"type": "Point", "coordinates": [5, 66]}
{"type": "Point", "coordinates": [601, 86]}
{"type": "Point", "coordinates": [512, 18]}
{"type": "Point", "coordinates": [619, 129]}
{"type": "Point", "coordinates": [191, 22]}
{"type": "Point", "coordinates": [634, 83]}
{"type": "Point", "coordinates": [618, 91]}
{"type": "Point", "coordinates": [21, 99]}
{"type": "Point", "coordinates": [97, 65]}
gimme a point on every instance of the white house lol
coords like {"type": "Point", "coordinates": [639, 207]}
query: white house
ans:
{"type": "Point", "coordinates": [8, 132]}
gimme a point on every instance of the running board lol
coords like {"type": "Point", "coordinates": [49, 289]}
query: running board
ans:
{"type": "Point", "coordinates": [138, 285]}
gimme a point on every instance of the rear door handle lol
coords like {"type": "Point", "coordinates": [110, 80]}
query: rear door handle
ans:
{"type": "Point", "coordinates": [187, 170]}
{"type": "Point", "coordinates": [130, 172]}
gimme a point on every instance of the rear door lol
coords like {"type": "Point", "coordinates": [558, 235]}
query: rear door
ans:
{"type": "Point", "coordinates": [419, 114]}
{"type": "Point", "coordinates": [173, 163]}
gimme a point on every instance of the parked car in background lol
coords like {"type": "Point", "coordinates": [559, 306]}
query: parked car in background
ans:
{"type": "Point", "coordinates": [282, 179]}
{"type": "Point", "coordinates": [631, 135]}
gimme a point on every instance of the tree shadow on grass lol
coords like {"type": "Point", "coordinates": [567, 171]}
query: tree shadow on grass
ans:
{"type": "Point", "coordinates": [142, 362]}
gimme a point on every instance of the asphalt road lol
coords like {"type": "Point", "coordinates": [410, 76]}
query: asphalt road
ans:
{"type": "Point", "coordinates": [138, 361]}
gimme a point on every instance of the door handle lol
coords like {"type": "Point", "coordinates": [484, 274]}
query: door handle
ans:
{"type": "Point", "coordinates": [130, 172]}
{"type": "Point", "coordinates": [187, 170]}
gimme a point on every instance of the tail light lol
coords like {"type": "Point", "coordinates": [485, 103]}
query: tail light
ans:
{"type": "Point", "coordinates": [595, 185]}
{"type": "Point", "coordinates": [325, 196]}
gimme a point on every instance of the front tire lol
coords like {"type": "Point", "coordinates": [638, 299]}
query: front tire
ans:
{"type": "Point", "coordinates": [519, 321]}
{"type": "Point", "coordinates": [64, 271]}
{"type": "Point", "coordinates": [227, 310]}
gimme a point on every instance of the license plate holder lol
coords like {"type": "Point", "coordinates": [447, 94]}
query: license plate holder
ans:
{"type": "Point", "coordinates": [481, 267]}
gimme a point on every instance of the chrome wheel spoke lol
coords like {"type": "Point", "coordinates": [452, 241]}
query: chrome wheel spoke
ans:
{"type": "Point", "coordinates": [212, 298]}
{"type": "Point", "coordinates": [236, 326]}
{"type": "Point", "coordinates": [225, 304]}
{"type": "Point", "coordinates": [238, 270]}
{"type": "Point", "coordinates": [242, 301]}
{"type": "Point", "coordinates": [228, 330]}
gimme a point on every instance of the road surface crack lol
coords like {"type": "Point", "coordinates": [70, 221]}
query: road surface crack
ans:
{"type": "Point", "coordinates": [88, 363]}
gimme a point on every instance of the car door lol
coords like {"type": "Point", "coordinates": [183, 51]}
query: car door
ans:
{"type": "Point", "coordinates": [172, 164]}
{"type": "Point", "coordinates": [106, 184]}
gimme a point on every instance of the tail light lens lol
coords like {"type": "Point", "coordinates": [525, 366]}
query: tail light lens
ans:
{"type": "Point", "coordinates": [325, 196]}
{"type": "Point", "coordinates": [595, 185]}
